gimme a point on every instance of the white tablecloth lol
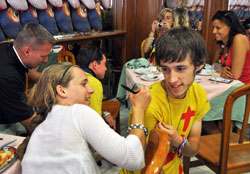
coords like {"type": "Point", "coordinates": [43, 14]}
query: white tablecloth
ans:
{"type": "Point", "coordinates": [212, 89]}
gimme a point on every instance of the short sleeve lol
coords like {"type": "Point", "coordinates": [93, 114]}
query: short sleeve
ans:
{"type": "Point", "coordinates": [203, 105]}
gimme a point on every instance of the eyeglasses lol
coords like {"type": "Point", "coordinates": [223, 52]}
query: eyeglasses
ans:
{"type": "Point", "coordinates": [67, 69]}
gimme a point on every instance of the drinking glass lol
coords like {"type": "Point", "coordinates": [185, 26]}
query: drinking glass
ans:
{"type": "Point", "coordinates": [215, 70]}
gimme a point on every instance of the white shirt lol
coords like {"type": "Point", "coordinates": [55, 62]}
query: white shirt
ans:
{"type": "Point", "coordinates": [59, 145]}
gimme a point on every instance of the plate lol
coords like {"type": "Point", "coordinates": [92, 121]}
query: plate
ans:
{"type": "Point", "coordinates": [208, 66]}
{"type": "Point", "coordinates": [205, 72]}
{"type": "Point", "coordinates": [14, 158]}
{"type": "Point", "coordinates": [150, 78]}
{"type": "Point", "coordinates": [153, 69]}
{"type": "Point", "coordinates": [142, 71]}
{"type": "Point", "coordinates": [197, 79]}
{"type": "Point", "coordinates": [221, 79]}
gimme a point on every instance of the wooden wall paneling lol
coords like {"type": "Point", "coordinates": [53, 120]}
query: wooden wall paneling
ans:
{"type": "Point", "coordinates": [117, 16]}
{"type": "Point", "coordinates": [210, 8]}
{"type": "Point", "coordinates": [141, 26]}
{"type": "Point", "coordinates": [133, 16]}
{"type": "Point", "coordinates": [130, 28]}
{"type": "Point", "coordinates": [119, 23]}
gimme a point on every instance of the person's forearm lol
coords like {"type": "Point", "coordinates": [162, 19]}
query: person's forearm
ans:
{"type": "Point", "coordinates": [138, 118]}
{"type": "Point", "coordinates": [34, 75]}
{"type": "Point", "coordinates": [148, 42]}
{"type": "Point", "coordinates": [191, 148]}
{"type": "Point", "coordinates": [26, 123]}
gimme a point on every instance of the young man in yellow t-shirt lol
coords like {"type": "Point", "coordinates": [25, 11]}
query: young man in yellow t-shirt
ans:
{"type": "Point", "coordinates": [178, 103]}
{"type": "Point", "coordinates": [93, 61]}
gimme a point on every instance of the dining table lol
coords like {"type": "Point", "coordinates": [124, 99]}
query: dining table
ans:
{"type": "Point", "coordinates": [15, 168]}
{"type": "Point", "coordinates": [216, 94]}
{"type": "Point", "coordinates": [134, 81]}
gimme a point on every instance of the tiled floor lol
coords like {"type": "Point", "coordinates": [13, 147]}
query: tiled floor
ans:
{"type": "Point", "coordinates": [108, 168]}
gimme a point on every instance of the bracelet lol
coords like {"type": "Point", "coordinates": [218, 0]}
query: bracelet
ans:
{"type": "Point", "coordinates": [138, 126]}
{"type": "Point", "coordinates": [104, 114]}
{"type": "Point", "coordinates": [151, 35]}
{"type": "Point", "coordinates": [182, 145]}
{"type": "Point", "coordinates": [151, 40]}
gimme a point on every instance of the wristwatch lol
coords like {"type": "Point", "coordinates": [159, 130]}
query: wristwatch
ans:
{"type": "Point", "coordinates": [105, 113]}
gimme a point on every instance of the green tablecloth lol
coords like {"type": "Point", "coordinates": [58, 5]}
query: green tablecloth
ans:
{"type": "Point", "coordinates": [217, 107]}
{"type": "Point", "coordinates": [13, 129]}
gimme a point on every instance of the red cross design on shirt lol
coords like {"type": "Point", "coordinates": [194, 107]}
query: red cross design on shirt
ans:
{"type": "Point", "coordinates": [187, 116]}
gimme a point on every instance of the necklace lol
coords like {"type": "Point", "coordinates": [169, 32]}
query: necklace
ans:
{"type": "Point", "coordinates": [170, 108]}
{"type": "Point", "coordinates": [221, 54]}
{"type": "Point", "coordinates": [173, 149]}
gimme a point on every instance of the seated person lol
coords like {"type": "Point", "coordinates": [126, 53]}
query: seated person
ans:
{"type": "Point", "coordinates": [165, 21]}
{"type": "Point", "coordinates": [178, 103]}
{"type": "Point", "coordinates": [65, 126]}
{"type": "Point", "coordinates": [232, 52]}
{"type": "Point", "coordinates": [180, 17]}
{"type": "Point", "coordinates": [233, 46]}
{"type": "Point", "coordinates": [93, 61]}
{"type": "Point", "coordinates": [31, 47]}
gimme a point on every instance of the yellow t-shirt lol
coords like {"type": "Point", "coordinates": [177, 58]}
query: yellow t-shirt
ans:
{"type": "Point", "coordinates": [97, 97]}
{"type": "Point", "coordinates": [181, 113]}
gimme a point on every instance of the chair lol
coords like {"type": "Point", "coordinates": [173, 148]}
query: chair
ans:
{"type": "Point", "coordinates": [156, 151]}
{"type": "Point", "coordinates": [142, 45]}
{"type": "Point", "coordinates": [226, 152]}
{"type": "Point", "coordinates": [66, 56]}
{"type": "Point", "coordinates": [114, 108]}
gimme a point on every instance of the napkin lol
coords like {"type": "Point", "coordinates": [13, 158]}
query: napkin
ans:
{"type": "Point", "coordinates": [132, 64]}
{"type": "Point", "coordinates": [137, 63]}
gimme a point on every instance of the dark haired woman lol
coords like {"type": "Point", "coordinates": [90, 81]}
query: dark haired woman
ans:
{"type": "Point", "coordinates": [233, 46]}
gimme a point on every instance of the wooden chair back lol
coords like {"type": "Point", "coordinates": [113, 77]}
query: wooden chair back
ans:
{"type": "Point", "coordinates": [240, 144]}
{"type": "Point", "coordinates": [226, 152]}
{"type": "Point", "coordinates": [156, 151]}
{"type": "Point", "coordinates": [114, 108]}
{"type": "Point", "coordinates": [66, 56]}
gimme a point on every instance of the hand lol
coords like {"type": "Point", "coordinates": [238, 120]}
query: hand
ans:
{"type": "Point", "coordinates": [166, 25]}
{"type": "Point", "coordinates": [226, 73]}
{"type": "Point", "coordinates": [154, 25]}
{"type": "Point", "coordinates": [142, 99]}
{"type": "Point", "coordinates": [174, 137]}
{"type": "Point", "coordinates": [111, 122]}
